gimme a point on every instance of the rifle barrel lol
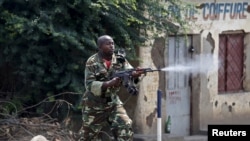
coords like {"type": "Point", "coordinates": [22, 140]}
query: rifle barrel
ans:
{"type": "Point", "coordinates": [151, 70]}
{"type": "Point", "coordinates": [157, 70]}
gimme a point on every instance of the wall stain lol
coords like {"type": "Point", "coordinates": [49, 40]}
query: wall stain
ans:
{"type": "Point", "coordinates": [150, 118]}
{"type": "Point", "coordinates": [216, 103]}
{"type": "Point", "coordinates": [233, 104]}
{"type": "Point", "coordinates": [145, 98]}
{"type": "Point", "coordinates": [230, 108]}
{"type": "Point", "coordinates": [211, 41]}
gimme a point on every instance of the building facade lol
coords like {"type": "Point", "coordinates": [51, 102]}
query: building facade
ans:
{"type": "Point", "coordinates": [213, 90]}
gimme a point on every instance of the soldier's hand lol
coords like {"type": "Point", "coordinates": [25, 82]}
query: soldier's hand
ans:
{"type": "Point", "coordinates": [115, 82]}
{"type": "Point", "coordinates": [138, 72]}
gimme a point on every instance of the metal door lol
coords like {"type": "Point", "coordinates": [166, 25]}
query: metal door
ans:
{"type": "Point", "coordinates": [177, 89]}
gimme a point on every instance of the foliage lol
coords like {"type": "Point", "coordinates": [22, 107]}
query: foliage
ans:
{"type": "Point", "coordinates": [44, 44]}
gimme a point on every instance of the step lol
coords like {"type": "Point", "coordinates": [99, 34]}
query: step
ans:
{"type": "Point", "coordinates": [168, 137]}
{"type": "Point", "coordinates": [195, 138]}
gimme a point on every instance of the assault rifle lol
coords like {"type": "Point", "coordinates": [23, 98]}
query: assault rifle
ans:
{"type": "Point", "coordinates": [128, 81]}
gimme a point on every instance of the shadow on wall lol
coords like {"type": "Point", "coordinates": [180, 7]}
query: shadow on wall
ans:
{"type": "Point", "coordinates": [157, 54]}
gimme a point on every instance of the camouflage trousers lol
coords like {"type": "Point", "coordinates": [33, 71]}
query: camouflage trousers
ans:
{"type": "Point", "coordinates": [96, 118]}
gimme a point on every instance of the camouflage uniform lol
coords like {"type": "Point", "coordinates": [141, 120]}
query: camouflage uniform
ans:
{"type": "Point", "coordinates": [102, 108]}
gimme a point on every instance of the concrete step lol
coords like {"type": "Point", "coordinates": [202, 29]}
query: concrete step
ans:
{"type": "Point", "coordinates": [168, 137]}
{"type": "Point", "coordinates": [195, 138]}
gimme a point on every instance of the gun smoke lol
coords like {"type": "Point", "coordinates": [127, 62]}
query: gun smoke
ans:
{"type": "Point", "coordinates": [199, 64]}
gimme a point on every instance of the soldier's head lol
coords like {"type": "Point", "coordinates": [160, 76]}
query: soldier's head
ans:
{"type": "Point", "coordinates": [106, 45]}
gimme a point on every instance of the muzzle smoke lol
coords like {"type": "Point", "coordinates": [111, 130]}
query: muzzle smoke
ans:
{"type": "Point", "coordinates": [199, 64]}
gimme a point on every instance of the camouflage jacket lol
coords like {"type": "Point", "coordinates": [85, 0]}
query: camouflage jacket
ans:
{"type": "Point", "coordinates": [96, 72]}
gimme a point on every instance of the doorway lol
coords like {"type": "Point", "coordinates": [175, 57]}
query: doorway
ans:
{"type": "Point", "coordinates": [177, 87]}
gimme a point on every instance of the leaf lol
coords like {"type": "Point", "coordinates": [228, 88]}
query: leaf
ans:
{"type": "Point", "coordinates": [50, 96]}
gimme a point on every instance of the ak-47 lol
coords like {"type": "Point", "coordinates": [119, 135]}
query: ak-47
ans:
{"type": "Point", "coordinates": [128, 81]}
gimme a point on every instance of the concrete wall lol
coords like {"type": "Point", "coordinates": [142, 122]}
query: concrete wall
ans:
{"type": "Point", "coordinates": [145, 117]}
{"type": "Point", "coordinates": [223, 108]}
{"type": "Point", "coordinates": [207, 106]}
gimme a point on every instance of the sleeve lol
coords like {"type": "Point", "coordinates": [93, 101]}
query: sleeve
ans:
{"type": "Point", "coordinates": [91, 84]}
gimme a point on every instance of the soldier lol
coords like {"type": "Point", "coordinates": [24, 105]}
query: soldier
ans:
{"type": "Point", "coordinates": [101, 103]}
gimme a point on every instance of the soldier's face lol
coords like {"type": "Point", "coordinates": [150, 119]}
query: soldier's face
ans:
{"type": "Point", "coordinates": [108, 47]}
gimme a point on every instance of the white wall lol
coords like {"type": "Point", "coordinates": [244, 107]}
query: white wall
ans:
{"type": "Point", "coordinates": [214, 108]}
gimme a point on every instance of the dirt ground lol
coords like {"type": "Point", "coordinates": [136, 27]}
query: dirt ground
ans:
{"type": "Point", "coordinates": [25, 129]}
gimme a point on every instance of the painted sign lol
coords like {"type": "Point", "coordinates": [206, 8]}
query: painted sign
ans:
{"type": "Point", "coordinates": [174, 96]}
{"type": "Point", "coordinates": [216, 11]}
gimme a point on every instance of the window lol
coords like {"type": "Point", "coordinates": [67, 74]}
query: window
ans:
{"type": "Point", "coordinates": [230, 75]}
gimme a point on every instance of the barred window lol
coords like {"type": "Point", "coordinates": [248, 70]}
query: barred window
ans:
{"type": "Point", "coordinates": [231, 53]}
